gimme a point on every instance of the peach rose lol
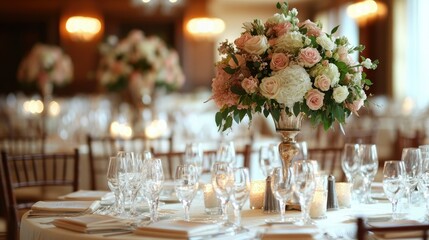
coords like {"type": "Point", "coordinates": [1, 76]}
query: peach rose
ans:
{"type": "Point", "coordinates": [240, 59]}
{"type": "Point", "coordinates": [309, 56]}
{"type": "Point", "coordinates": [282, 28]}
{"type": "Point", "coordinates": [250, 84]}
{"type": "Point", "coordinates": [355, 106]}
{"type": "Point", "coordinates": [322, 82]}
{"type": "Point", "coordinates": [270, 87]}
{"type": "Point", "coordinates": [312, 28]}
{"type": "Point", "coordinates": [239, 42]}
{"type": "Point", "coordinates": [314, 99]}
{"type": "Point", "coordinates": [256, 45]}
{"type": "Point", "coordinates": [279, 61]}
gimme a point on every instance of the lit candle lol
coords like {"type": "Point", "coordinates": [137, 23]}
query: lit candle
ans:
{"type": "Point", "coordinates": [318, 205]}
{"type": "Point", "coordinates": [257, 191]}
{"type": "Point", "coordinates": [343, 190]}
{"type": "Point", "coordinates": [211, 202]}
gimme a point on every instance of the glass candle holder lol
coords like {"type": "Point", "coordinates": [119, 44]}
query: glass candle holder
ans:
{"type": "Point", "coordinates": [318, 205]}
{"type": "Point", "coordinates": [257, 191]}
{"type": "Point", "coordinates": [344, 196]}
{"type": "Point", "coordinates": [211, 202]}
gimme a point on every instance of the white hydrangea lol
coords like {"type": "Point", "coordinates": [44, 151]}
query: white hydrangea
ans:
{"type": "Point", "coordinates": [289, 42]}
{"type": "Point", "coordinates": [325, 42]}
{"type": "Point", "coordinates": [276, 19]}
{"type": "Point", "coordinates": [294, 84]}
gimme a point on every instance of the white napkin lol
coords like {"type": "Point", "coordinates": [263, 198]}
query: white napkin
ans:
{"type": "Point", "coordinates": [396, 234]}
{"type": "Point", "coordinates": [85, 195]}
{"type": "Point", "coordinates": [92, 223]}
{"type": "Point", "coordinates": [55, 207]}
{"type": "Point", "coordinates": [290, 232]}
{"type": "Point", "coordinates": [177, 229]}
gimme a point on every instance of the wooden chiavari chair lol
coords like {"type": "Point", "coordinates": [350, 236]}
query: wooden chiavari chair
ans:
{"type": "Point", "coordinates": [407, 231]}
{"type": "Point", "coordinates": [329, 160]}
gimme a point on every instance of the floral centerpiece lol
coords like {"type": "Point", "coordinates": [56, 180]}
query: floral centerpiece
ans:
{"type": "Point", "coordinates": [285, 66]}
{"type": "Point", "coordinates": [140, 63]}
{"type": "Point", "coordinates": [46, 66]}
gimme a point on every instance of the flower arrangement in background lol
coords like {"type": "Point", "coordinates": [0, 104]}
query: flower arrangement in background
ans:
{"type": "Point", "coordinates": [141, 63]}
{"type": "Point", "coordinates": [285, 64]}
{"type": "Point", "coordinates": [46, 65]}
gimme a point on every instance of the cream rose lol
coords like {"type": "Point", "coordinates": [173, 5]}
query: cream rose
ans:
{"type": "Point", "coordinates": [279, 61]}
{"type": "Point", "coordinates": [340, 94]}
{"type": "Point", "coordinates": [250, 84]}
{"type": "Point", "coordinates": [325, 42]}
{"type": "Point", "coordinates": [322, 82]}
{"type": "Point", "coordinates": [256, 45]}
{"type": "Point", "coordinates": [309, 56]}
{"type": "Point", "coordinates": [239, 42]}
{"type": "Point", "coordinates": [270, 87]}
{"type": "Point", "coordinates": [314, 99]}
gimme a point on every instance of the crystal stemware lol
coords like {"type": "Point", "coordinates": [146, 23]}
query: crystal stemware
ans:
{"type": "Point", "coordinates": [412, 159]}
{"type": "Point", "coordinates": [282, 187]}
{"type": "Point", "coordinates": [304, 185]}
{"type": "Point", "coordinates": [350, 161]}
{"type": "Point", "coordinates": [226, 153]}
{"type": "Point", "coordinates": [368, 169]}
{"type": "Point", "coordinates": [268, 159]}
{"type": "Point", "coordinates": [186, 185]}
{"type": "Point", "coordinates": [194, 155]}
{"type": "Point", "coordinates": [393, 183]}
{"type": "Point", "coordinates": [239, 193]}
{"type": "Point", "coordinates": [113, 184]}
{"type": "Point", "coordinates": [125, 172]}
{"type": "Point", "coordinates": [222, 181]}
{"type": "Point", "coordinates": [153, 180]}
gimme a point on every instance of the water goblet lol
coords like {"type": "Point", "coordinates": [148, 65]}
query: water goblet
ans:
{"type": "Point", "coordinates": [424, 149]}
{"type": "Point", "coordinates": [350, 161]}
{"type": "Point", "coordinates": [194, 155]}
{"type": "Point", "coordinates": [424, 187]}
{"type": "Point", "coordinates": [186, 185]}
{"type": "Point", "coordinates": [226, 153]}
{"type": "Point", "coordinates": [113, 184]}
{"type": "Point", "coordinates": [124, 172]}
{"type": "Point", "coordinates": [412, 159]}
{"type": "Point", "coordinates": [368, 169]}
{"type": "Point", "coordinates": [282, 187]}
{"type": "Point", "coordinates": [239, 193]}
{"type": "Point", "coordinates": [268, 159]}
{"type": "Point", "coordinates": [153, 180]}
{"type": "Point", "coordinates": [304, 185]}
{"type": "Point", "coordinates": [393, 183]}
{"type": "Point", "coordinates": [222, 181]}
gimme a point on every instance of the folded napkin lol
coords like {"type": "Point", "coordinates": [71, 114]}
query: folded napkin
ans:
{"type": "Point", "coordinates": [397, 234]}
{"type": "Point", "coordinates": [177, 229]}
{"type": "Point", "coordinates": [56, 208]}
{"type": "Point", "coordinates": [85, 195]}
{"type": "Point", "coordinates": [291, 232]}
{"type": "Point", "coordinates": [93, 224]}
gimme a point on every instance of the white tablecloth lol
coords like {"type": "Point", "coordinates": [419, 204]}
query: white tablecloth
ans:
{"type": "Point", "coordinates": [339, 223]}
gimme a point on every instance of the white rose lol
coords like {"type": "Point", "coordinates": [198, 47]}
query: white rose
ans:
{"type": "Point", "coordinates": [256, 45]}
{"type": "Point", "coordinates": [325, 42]}
{"type": "Point", "coordinates": [367, 63]}
{"type": "Point", "coordinates": [294, 84]}
{"type": "Point", "coordinates": [289, 42]}
{"type": "Point", "coordinates": [331, 71]}
{"type": "Point", "coordinates": [340, 94]}
{"type": "Point", "coordinates": [276, 19]}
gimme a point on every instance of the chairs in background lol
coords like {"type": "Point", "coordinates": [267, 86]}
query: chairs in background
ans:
{"type": "Point", "coordinates": [404, 139]}
{"type": "Point", "coordinates": [101, 148]}
{"type": "Point", "coordinates": [18, 145]}
{"type": "Point", "coordinates": [329, 160]}
{"type": "Point", "coordinates": [404, 231]}
{"type": "Point", "coordinates": [34, 171]}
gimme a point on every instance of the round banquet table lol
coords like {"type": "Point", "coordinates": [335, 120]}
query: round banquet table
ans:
{"type": "Point", "coordinates": [338, 223]}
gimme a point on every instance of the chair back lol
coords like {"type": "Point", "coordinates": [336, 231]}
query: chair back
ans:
{"type": "Point", "coordinates": [329, 160]}
{"type": "Point", "coordinates": [101, 148]}
{"type": "Point", "coordinates": [392, 230]}
{"type": "Point", "coordinates": [34, 171]}
{"type": "Point", "coordinates": [19, 145]}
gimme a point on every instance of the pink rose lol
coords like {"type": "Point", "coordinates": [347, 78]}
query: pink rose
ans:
{"type": "Point", "coordinates": [322, 82]}
{"type": "Point", "coordinates": [239, 42]}
{"type": "Point", "coordinates": [314, 99]}
{"type": "Point", "coordinates": [279, 61]}
{"type": "Point", "coordinates": [355, 106]}
{"type": "Point", "coordinates": [240, 59]}
{"type": "Point", "coordinates": [309, 56]}
{"type": "Point", "coordinates": [270, 87]}
{"type": "Point", "coordinates": [312, 28]}
{"type": "Point", "coordinates": [282, 28]}
{"type": "Point", "coordinates": [256, 45]}
{"type": "Point", "coordinates": [250, 84]}
{"type": "Point", "coordinates": [343, 53]}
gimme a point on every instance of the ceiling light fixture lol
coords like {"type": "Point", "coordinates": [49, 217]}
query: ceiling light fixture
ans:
{"type": "Point", "coordinates": [83, 28]}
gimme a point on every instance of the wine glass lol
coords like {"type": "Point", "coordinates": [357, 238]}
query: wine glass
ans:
{"type": "Point", "coordinates": [303, 151]}
{"type": "Point", "coordinates": [424, 149]}
{"type": "Point", "coordinates": [113, 184]}
{"type": "Point", "coordinates": [226, 153]}
{"type": "Point", "coordinates": [239, 193]}
{"type": "Point", "coordinates": [153, 180]}
{"type": "Point", "coordinates": [125, 172]}
{"type": "Point", "coordinates": [368, 169]}
{"type": "Point", "coordinates": [393, 183]}
{"type": "Point", "coordinates": [304, 185]}
{"type": "Point", "coordinates": [282, 187]}
{"type": "Point", "coordinates": [424, 187]}
{"type": "Point", "coordinates": [194, 155]}
{"type": "Point", "coordinates": [222, 181]}
{"type": "Point", "coordinates": [268, 159]}
{"type": "Point", "coordinates": [186, 185]}
{"type": "Point", "coordinates": [412, 159]}
{"type": "Point", "coordinates": [350, 161]}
